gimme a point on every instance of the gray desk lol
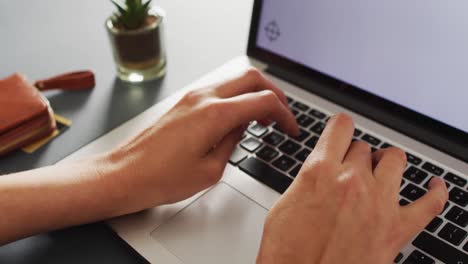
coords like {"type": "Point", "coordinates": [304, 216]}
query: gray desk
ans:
{"type": "Point", "coordinates": [43, 38]}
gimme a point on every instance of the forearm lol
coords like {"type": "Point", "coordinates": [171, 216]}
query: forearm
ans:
{"type": "Point", "coordinates": [60, 196]}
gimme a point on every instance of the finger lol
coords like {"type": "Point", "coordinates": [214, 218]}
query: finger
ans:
{"type": "Point", "coordinates": [265, 122]}
{"type": "Point", "coordinates": [263, 105]}
{"type": "Point", "coordinates": [389, 166]}
{"type": "Point", "coordinates": [336, 138]}
{"type": "Point", "coordinates": [359, 156]}
{"type": "Point", "coordinates": [249, 82]}
{"type": "Point", "coordinates": [417, 215]}
{"type": "Point", "coordinates": [223, 150]}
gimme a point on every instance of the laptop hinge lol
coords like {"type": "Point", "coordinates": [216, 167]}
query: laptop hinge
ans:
{"type": "Point", "coordinates": [258, 64]}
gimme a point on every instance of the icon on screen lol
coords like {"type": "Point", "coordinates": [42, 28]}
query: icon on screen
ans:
{"type": "Point", "coordinates": [272, 31]}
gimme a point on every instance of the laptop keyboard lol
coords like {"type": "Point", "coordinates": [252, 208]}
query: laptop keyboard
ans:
{"type": "Point", "coordinates": [274, 158]}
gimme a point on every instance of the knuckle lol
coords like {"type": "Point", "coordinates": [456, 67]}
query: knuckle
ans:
{"type": "Point", "coordinates": [361, 145]}
{"type": "Point", "coordinates": [270, 96]}
{"type": "Point", "coordinates": [191, 98]}
{"type": "Point", "coordinates": [352, 179]}
{"type": "Point", "coordinates": [397, 153]}
{"type": "Point", "coordinates": [254, 74]}
{"type": "Point", "coordinates": [353, 184]}
{"type": "Point", "coordinates": [351, 190]}
{"type": "Point", "coordinates": [321, 167]}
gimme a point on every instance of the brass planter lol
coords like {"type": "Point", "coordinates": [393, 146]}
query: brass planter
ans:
{"type": "Point", "coordinates": [139, 54]}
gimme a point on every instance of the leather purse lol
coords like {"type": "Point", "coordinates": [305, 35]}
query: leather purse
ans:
{"type": "Point", "coordinates": [25, 114]}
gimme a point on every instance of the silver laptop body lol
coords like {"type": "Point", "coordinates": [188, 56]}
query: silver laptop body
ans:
{"type": "Point", "coordinates": [321, 53]}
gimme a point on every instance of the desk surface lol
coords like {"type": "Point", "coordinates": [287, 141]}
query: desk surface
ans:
{"type": "Point", "coordinates": [44, 38]}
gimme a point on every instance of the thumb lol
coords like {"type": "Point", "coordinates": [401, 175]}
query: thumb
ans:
{"type": "Point", "coordinates": [223, 150]}
{"type": "Point", "coordinates": [421, 212]}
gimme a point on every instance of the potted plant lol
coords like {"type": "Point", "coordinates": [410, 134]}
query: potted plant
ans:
{"type": "Point", "coordinates": [136, 36]}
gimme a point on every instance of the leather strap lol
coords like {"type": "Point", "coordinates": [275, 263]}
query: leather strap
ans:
{"type": "Point", "coordinates": [80, 80]}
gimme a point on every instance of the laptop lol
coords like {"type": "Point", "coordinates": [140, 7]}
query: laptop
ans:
{"type": "Point", "coordinates": [399, 68]}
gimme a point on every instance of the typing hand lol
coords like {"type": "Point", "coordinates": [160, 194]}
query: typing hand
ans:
{"type": "Point", "coordinates": [343, 206]}
{"type": "Point", "coordinates": [187, 150]}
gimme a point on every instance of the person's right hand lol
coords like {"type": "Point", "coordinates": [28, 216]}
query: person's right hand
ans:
{"type": "Point", "coordinates": [343, 206]}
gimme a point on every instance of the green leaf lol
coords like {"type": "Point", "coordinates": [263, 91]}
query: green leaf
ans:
{"type": "Point", "coordinates": [119, 7]}
{"type": "Point", "coordinates": [133, 14]}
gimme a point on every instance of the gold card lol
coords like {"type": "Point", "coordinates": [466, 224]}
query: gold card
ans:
{"type": "Point", "coordinates": [62, 123]}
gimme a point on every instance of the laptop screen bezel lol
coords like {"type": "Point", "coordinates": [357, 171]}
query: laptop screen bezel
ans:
{"type": "Point", "coordinates": [418, 126]}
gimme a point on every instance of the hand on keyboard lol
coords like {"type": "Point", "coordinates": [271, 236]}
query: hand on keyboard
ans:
{"type": "Point", "coordinates": [187, 150]}
{"type": "Point", "coordinates": [343, 205]}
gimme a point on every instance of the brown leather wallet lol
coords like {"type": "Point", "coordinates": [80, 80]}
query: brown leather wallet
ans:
{"type": "Point", "coordinates": [25, 115]}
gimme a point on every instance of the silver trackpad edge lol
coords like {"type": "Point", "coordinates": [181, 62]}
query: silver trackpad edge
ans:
{"type": "Point", "coordinates": [222, 226]}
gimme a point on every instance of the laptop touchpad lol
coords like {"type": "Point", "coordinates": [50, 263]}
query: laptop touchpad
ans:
{"type": "Point", "coordinates": [222, 226]}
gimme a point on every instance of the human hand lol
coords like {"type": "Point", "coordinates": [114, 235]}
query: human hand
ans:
{"type": "Point", "coordinates": [343, 205]}
{"type": "Point", "coordinates": [187, 150]}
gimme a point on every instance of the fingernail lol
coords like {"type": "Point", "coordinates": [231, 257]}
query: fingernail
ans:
{"type": "Point", "coordinates": [443, 188]}
{"type": "Point", "coordinates": [434, 182]}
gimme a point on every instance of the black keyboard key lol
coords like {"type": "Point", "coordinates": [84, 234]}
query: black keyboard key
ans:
{"type": "Point", "coordinates": [415, 175]}
{"type": "Point", "coordinates": [458, 216]}
{"type": "Point", "coordinates": [417, 257]}
{"type": "Point", "coordinates": [439, 249]}
{"type": "Point", "coordinates": [452, 234]}
{"type": "Point", "coordinates": [317, 114]}
{"type": "Point", "coordinates": [371, 139]}
{"type": "Point", "coordinates": [289, 147]}
{"type": "Point", "coordinates": [412, 192]}
{"type": "Point", "coordinates": [290, 100]}
{"type": "Point", "coordinates": [465, 247]}
{"type": "Point", "coordinates": [303, 154]}
{"type": "Point", "coordinates": [295, 112]}
{"type": "Point", "coordinates": [305, 121]}
{"type": "Point", "coordinates": [434, 224]}
{"type": "Point", "coordinates": [238, 155]}
{"type": "Point", "coordinates": [386, 145]}
{"type": "Point", "coordinates": [273, 138]}
{"type": "Point", "coordinates": [265, 174]}
{"type": "Point", "coordinates": [302, 136]}
{"type": "Point", "coordinates": [413, 159]}
{"type": "Point", "coordinates": [312, 142]}
{"type": "Point", "coordinates": [318, 128]}
{"type": "Point", "coordinates": [455, 179]}
{"type": "Point", "coordinates": [357, 132]}
{"type": "Point", "coordinates": [426, 185]}
{"type": "Point", "coordinates": [301, 106]}
{"type": "Point", "coordinates": [295, 171]}
{"type": "Point", "coordinates": [403, 202]}
{"type": "Point", "coordinates": [433, 168]}
{"type": "Point", "coordinates": [402, 182]}
{"type": "Point", "coordinates": [251, 144]}
{"type": "Point", "coordinates": [284, 163]}
{"type": "Point", "coordinates": [398, 258]}
{"type": "Point", "coordinates": [277, 127]}
{"type": "Point", "coordinates": [267, 153]}
{"type": "Point", "coordinates": [458, 196]}
{"type": "Point", "coordinates": [447, 204]}
{"type": "Point", "coordinates": [257, 130]}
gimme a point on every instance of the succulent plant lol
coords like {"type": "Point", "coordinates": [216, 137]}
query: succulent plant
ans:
{"type": "Point", "coordinates": [131, 14]}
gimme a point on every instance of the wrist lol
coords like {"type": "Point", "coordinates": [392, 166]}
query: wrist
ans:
{"type": "Point", "coordinates": [131, 189]}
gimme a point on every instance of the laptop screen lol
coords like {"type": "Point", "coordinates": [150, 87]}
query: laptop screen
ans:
{"type": "Point", "coordinates": [413, 53]}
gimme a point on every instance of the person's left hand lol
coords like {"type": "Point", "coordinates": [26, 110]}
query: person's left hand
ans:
{"type": "Point", "coordinates": [186, 151]}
